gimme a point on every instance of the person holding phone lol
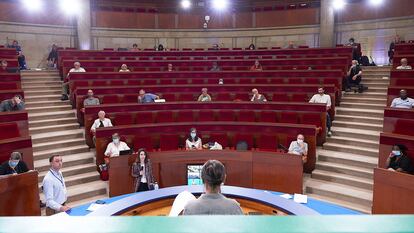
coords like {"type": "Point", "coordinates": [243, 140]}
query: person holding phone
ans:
{"type": "Point", "coordinates": [193, 142]}
{"type": "Point", "coordinates": [398, 160]}
{"type": "Point", "coordinates": [142, 172]}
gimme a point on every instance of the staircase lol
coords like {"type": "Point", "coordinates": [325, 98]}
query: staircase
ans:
{"type": "Point", "coordinates": [54, 130]}
{"type": "Point", "coordinates": [344, 168]}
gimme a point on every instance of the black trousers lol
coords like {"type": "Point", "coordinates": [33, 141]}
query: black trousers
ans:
{"type": "Point", "coordinates": [143, 187]}
{"type": "Point", "coordinates": [350, 82]}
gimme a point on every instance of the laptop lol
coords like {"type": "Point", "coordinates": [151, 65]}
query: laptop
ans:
{"type": "Point", "coordinates": [126, 152]}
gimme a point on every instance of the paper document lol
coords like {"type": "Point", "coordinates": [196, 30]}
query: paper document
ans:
{"type": "Point", "coordinates": [180, 202]}
{"type": "Point", "coordinates": [299, 198]}
{"type": "Point", "coordinates": [94, 206]}
{"type": "Point", "coordinates": [286, 195]}
{"type": "Point", "coordinates": [61, 214]}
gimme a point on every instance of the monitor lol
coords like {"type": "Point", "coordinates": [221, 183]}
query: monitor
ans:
{"type": "Point", "coordinates": [194, 174]}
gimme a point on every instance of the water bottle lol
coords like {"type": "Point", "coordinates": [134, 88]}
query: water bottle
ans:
{"type": "Point", "coordinates": [156, 187]}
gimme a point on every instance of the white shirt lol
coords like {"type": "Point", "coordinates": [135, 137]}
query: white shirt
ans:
{"type": "Point", "coordinates": [54, 189]}
{"type": "Point", "coordinates": [400, 103]}
{"type": "Point", "coordinates": [106, 122]}
{"type": "Point", "coordinates": [295, 148]}
{"type": "Point", "coordinates": [143, 178]}
{"type": "Point", "coordinates": [74, 70]}
{"type": "Point", "coordinates": [321, 99]}
{"type": "Point", "coordinates": [407, 67]}
{"type": "Point", "coordinates": [189, 144]}
{"type": "Point", "coordinates": [114, 149]}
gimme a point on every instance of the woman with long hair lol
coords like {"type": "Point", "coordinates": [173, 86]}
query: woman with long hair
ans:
{"type": "Point", "coordinates": [142, 172]}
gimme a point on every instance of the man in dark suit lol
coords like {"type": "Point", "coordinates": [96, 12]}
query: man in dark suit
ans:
{"type": "Point", "coordinates": [14, 165]}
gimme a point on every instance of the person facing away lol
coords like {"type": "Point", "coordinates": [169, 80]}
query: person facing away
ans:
{"type": "Point", "coordinates": [124, 68]}
{"type": "Point", "coordinates": [354, 75]}
{"type": "Point", "coordinates": [215, 67]}
{"type": "Point", "coordinates": [257, 66]}
{"type": "Point", "coordinates": [398, 160]}
{"type": "Point", "coordinates": [142, 172]}
{"type": "Point", "coordinates": [146, 97]}
{"type": "Point", "coordinates": [53, 57]}
{"type": "Point", "coordinates": [404, 65]}
{"type": "Point", "coordinates": [299, 147]}
{"type": "Point", "coordinates": [403, 101]}
{"type": "Point", "coordinates": [193, 142]}
{"type": "Point", "coordinates": [54, 187]}
{"type": "Point", "coordinates": [204, 97]}
{"type": "Point", "coordinates": [257, 97]}
{"type": "Point", "coordinates": [15, 165]}
{"type": "Point", "coordinates": [14, 104]}
{"type": "Point", "coordinates": [322, 98]}
{"type": "Point", "coordinates": [65, 86]}
{"type": "Point", "coordinates": [212, 202]}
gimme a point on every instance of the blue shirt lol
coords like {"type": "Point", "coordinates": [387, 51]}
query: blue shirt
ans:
{"type": "Point", "coordinates": [54, 189]}
{"type": "Point", "coordinates": [148, 98]}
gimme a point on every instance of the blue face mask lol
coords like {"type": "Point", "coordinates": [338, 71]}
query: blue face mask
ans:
{"type": "Point", "coordinates": [396, 152]}
{"type": "Point", "coordinates": [13, 164]}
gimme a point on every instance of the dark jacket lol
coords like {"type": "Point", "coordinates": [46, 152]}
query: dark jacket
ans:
{"type": "Point", "coordinates": [148, 171]}
{"type": "Point", "coordinates": [5, 169]}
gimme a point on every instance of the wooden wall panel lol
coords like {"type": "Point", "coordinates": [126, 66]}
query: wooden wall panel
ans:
{"type": "Point", "coordinates": [166, 21]}
{"type": "Point", "coordinates": [244, 20]}
{"type": "Point", "coordinates": [145, 20]}
{"type": "Point", "coordinates": [111, 19]}
{"type": "Point", "coordinates": [190, 21]}
{"type": "Point", "coordinates": [287, 18]}
{"type": "Point", "coordinates": [223, 20]}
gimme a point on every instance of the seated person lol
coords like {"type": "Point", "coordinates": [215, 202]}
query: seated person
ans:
{"type": "Point", "coordinates": [193, 142]}
{"type": "Point", "coordinates": [322, 98]}
{"type": "Point", "coordinates": [354, 75]}
{"type": "Point", "coordinates": [114, 147]}
{"type": "Point", "coordinates": [204, 97]}
{"type": "Point", "coordinates": [124, 68]}
{"type": "Point", "coordinates": [299, 147]}
{"type": "Point", "coordinates": [3, 67]}
{"type": "Point", "coordinates": [257, 97]}
{"type": "Point", "coordinates": [216, 47]}
{"type": "Point", "coordinates": [53, 57]}
{"type": "Point", "coordinates": [403, 101]}
{"type": "Point", "coordinates": [398, 160]}
{"type": "Point", "coordinates": [134, 48]}
{"type": "Point", "coordinates": [404, 65]}
{"type": "Point", "coordinates": [147, 97]}
{"type": "Point", "coordinates": [90, 100]}
{"type": "Point", "coordinates": [170, 67]}
{"type": "Point", "coordinates": [22, 60]}
{"type": "Point", "coordinates": [160, 47]}
{"type": "Point", "coordinates": [256, 66]}
{"type": "Point", "coordinates": [221, 81]}
{"type": "Point", "coordinates": [102, 121]}
{"type": "Point", "coordinates": [15, 45]}
{"type": "Point", "coordinates": [213, 175]}
{"type": "Point", "coordinates": [14, 104]}
{"type": "Point", "coordinates": [291, 45]}
{"type": "Point", "coordinates": [15, 165]}
{"type": "Point", "coordinates": [65, 86]}
{"type": "Point", "coordinates": [215, 67]}
{"type": "Point", "coordinates": [252, 47]}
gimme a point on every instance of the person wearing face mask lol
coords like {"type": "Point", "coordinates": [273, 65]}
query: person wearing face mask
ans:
{"type": "Point", "coordinates": [193, 142]}
{"type": "Point", "coordinates": [142, 172]}
{"type": "Point", "coordinates": [354, 75]}
{"type": "Point", "coordinates": [398, 160]}
{"type": "Point", "coordinates": [14, 165]}
{"type": "Point", "coordinates": [90, 100]}
{"type": "Point", "coordinates": [322, 98]}
{"type": "Point", "coordinates": [113, 148]}
{"type": "Point", "coordinates": [403, 101]}
{"type": "Point", "coordinates": [299, 147]}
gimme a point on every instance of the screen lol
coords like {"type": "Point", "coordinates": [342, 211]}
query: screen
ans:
{"type": "Point", "coordinates": [194, 174]}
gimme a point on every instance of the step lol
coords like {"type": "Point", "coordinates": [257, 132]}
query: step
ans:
{"type": "Point", "coordinates": [45, 154]}
{"type": "Point", "coordinates": [89, 200]}
{"type": "Point", "coordinates": [40, 83]}
{"type": "Point", "coordinates": [340, 191]}
{"type": "Point", "coordinates": [372, 105]}
{"type": "Point", "coordinates": [42, 92]}
{"type": "Point", "coordinates": [47, 109]}
{"type": "Point", "coordinates": [377, 90]}
{"type": "Point", "coordinates": [358, 125]}
{"type": "Point", "coordinates": [360, 112]}
{"type": "Point", "coordinates": [48, 78]}
{"type": "Point", "coordinates": [360, 119]}
{"type": "Point", "coordinates": [48, 103]}
{"type": "Point", "coordinates": [375, 84]}
{"type": "Point", "coordinates": [347, 158]}
{"type": "Point", "coordinates": [71, 171]}
{"type": "Point", "coordinates": [375, 75]}
{"type": "Point", "coordinates": [373, 144]}
{"type": "Point", "coordinates": [56, 136]}
{"type": "Point", "coordinates": [334, 177]}
{"type": "Point", "coordinates": [351, 149]}
{"type": "Point", "coordinates": [375, 81]}
{"type": "Point", "coordinates": [57, 121]}
{"type": "Point", "coordinates": [78, 179]}
{"type": "Point", "coordinates": [62, 143]}
{"type": "Point", "coordinates": [54, 115]}
{"type": "Point", "coordinates": [35, 98]}
{"type": "Point", "coordinates": [345, 169]}
{"type": "Point", "coordinates": [84, 191]}
{"type": "Point", "coordinates": [43, 87]}
{"type": "Point", "coordinates": [363, 99]}
{"type": "Point", "coordinates": [350, 205]}
{"type": "Point", "coordinates": [355, 133]}
{"type": "Point", "coordinates": [68, 161]}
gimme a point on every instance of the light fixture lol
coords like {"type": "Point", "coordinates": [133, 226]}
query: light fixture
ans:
{"type": "Point", "coordinates": [338, 4]}
{"type": "Point", "coordinates": [33, 5]}
{"type": "Point", "coordinates": [220, 4]}
{"type": "Point", "coordinates": [185, 4]}
{"type": "Point", "coordinates": [376, 2]}
{"type": "Point", "coordinates": [70, 7]}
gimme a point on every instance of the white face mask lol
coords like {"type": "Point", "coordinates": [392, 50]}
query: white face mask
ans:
{"type": "Point", "coordinates": [193, 135]}
{"type": "Point", "coordinates": [115, 140]}
{"type": "Point", "coordinates": [300, 141]}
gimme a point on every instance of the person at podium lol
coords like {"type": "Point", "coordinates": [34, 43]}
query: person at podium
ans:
{"type": "Point", "coordinates": [142, 172]}
{"type": "Point", "coordinates": [212, 202]}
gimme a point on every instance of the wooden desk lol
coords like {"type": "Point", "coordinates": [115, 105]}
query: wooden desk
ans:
{"type": "Point", "coordinates": [19, 195]}
{"type": "Point", "coordinates": [252, 169]}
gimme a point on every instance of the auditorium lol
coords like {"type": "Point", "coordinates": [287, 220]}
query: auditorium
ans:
{"type": "Point", "coordinates": [248, 115]}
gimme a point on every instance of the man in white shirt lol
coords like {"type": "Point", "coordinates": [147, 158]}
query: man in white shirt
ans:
{"type": "Point", "coordinates": [404, 65]}
{"type": "Point", "coordinates": [54, 187]}
{"type": "Point", "coordinates": [113, 148]}
{"type": "Point", "coordinates": [299, 147]}
{"type": "Point", "coordinates": [100, 122]}
{"type": "Point", "coordinates": [403, 101]}
{"type": "Point", "coordinates": [65, 85]}
{"type": "Point", "coordinates": [322, 98]}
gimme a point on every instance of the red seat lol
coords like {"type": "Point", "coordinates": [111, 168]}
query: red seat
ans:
{"type": "Point", "coordinates": [223, 96]}
{"type": "Point", "coordinates": [164, 81]}
{"type": "Point", "coordinates": [181, 81]}
{"type": "Point", "coordinates": [245, 81]}
{"type": "Point", "coordinates": [170, 97]}
{"type": "Point", "coordinates": [148, 82]}
{"type": "Point", "coordinates": [276, 81]}
{"type": "Point", "coordinates": [130, 98]}
{"type": "Point", "coordinates": [144, 142]}
{"type": "Point", "coordinates": [165, 116]}
{"type": "Point", "coordinates": [225, 115]}
{"type": "Point", "coordinates": [241, 68]}
{"type": "Point", "coordinates": [246, 116]}
{"type": "Point", "coordinates": [186, 97]}
{"type": "Point", "coordinates": [107, 69]}
{"type": "Point", "coordinates": [248, 138]}
{"type": "Point", "coordinates": [134, 82]}
{"type": "Point", "coordinates": [268, 116]}
{"type": "Point", "coordinates": [312, 81]}
{"type": "Point", "coordinates": [144, 118]}
{"type": "Point", "coordinates": [110, 99]}
{"type": "Point", "coordinates": [9, 130]}
{"type": "Point", "coordinates": [241, 96]}
{"type": "Point", "coordinates": [117, 82]}
{"type": "Point", "coordinates": [288, 117]}
{"type": "Point", "coordinates": [205, 115]}
{"type": "Point", "coordinates": [280, 97]}
{"type": "Point", "coordinates": [220, 138]}
{"type": "Point", "coordinates": [154, 69]}
{"type": "Point", "coordinates": [267, 142]}
{"type": "Point", "coordinates": [298, 97]}
{"type": "Point", "coordinates": [197, 81]}
{"type": "Point", "coordinates": [261, 81]}
{"type": "Point", "coordinates": [123, 119]}
{"type": "Point", "coordinates": [311, 119]}
{"type": "Point", "coordinates": [185, 116]}
{"type": "Point", "coordinates": [169, 142]}
{"type": "Point", "coordinates": [295, 80]}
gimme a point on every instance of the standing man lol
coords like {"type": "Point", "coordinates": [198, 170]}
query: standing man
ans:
{"type": "Point", "coordinates": [322, 98]}
{"type": "Point", "coordinates": [54, 187]}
